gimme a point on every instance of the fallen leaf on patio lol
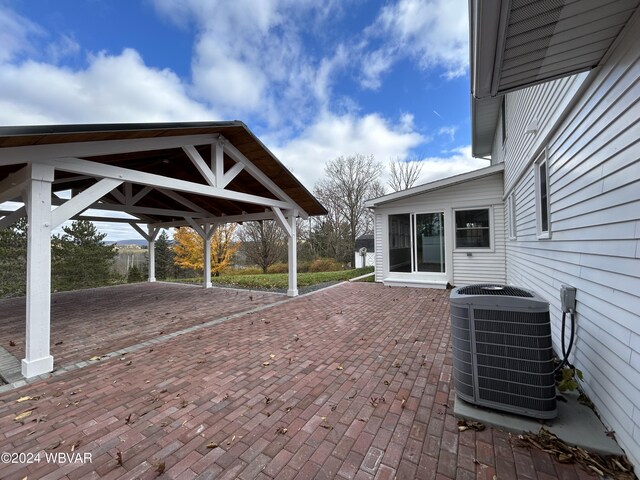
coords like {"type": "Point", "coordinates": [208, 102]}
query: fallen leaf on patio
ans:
{"type": "Point", "coordinates": [610, 466]}
{"type": "Point", "coordinates": [265, 364]}
{"type": "Point", "coordinates": [339, 367]}
{"type": "Point", "coordinates": [267, 400]}
{"type": "Point", "coordinates": [272, 356]}
{"type": "Point", "coordinates": [226, 395]}
{"type": "Point", "coordinates": [23, 399]}
{"type": "Point", "coordinates": [75, 446]}
{"type": "Point", "coordinates": [119, 458]}
{"type": "Point", "coordinates": [387, 382]}
{"type": "Point", "coordinates": [128, 419]}
{"type": "Point", "coordinates": [281, 430]}
{"type": "Point", "coordinates": [54, 445]}
{"type": "Point", "coordinates": [463, 425]}
{"type": "Point", "coordinates": [97, 357]}
{"type": "Point", "coordinates": [402, 404]}
{"type": "Point", "coordinates": [362, 419]}
{"type": "Point", "coordinates": [160, 468]}
{"type": "Point", "coordinates": [24, 414]}
{"type": "Point", "coordinates": [129, 363]}
{"type": "Point", "coordinates": [59, 343]}
{"type": "Point", "coordinates": [328, 427]}
{"type": "Point", "coordinates": [75, 392]}
{"type": "Point", "coordinates": [288, 409]}
{"type": "Point", "coordinates": [12, 343]}
{"type": "Point", "coordinates": [212, 445]}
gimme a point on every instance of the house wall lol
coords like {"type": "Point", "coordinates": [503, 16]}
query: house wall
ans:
{"type": "Point", "coordinates": [594, 182]}
{"type": "Point", "coordinates": [462, 269]}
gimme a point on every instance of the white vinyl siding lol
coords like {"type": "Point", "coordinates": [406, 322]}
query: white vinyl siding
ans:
{"type": "Point", "coordinates": [483, 265]}
{"type": "Point", "coordinates": [544, 103]}
{"type": "Point", "coordinates": [593, 160]}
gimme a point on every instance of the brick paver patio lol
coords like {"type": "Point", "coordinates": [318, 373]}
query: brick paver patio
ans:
{"type": "Point", "coordinates": [97, 321]}
{"type": "Point", "coordinates": [349, 382]}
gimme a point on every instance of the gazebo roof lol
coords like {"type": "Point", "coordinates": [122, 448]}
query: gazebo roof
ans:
{"type": "Point", "coordinates": [158, 149]}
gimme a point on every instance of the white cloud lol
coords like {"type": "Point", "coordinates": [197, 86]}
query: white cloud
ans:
{"type": "Point", "coordinates": [118, 88]}
{"type": "Point", "coordinates": [448, 131]}
{"type": "Point", "coordinates": [374, 65]}
{"type": "Point", "coordinates": [250, 59]}
{"type": "Point", "coordinates": [453, 162]}
{"type": "Point", "coordinates": [433, 32]}
{"type": "Point", "coordinates": [15, 33]}
{"type": "Point", "coordinates": [332, 136]}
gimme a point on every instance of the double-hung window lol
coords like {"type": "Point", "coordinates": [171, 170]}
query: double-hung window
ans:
{"type": "Point", "coordinates": [473, 228]}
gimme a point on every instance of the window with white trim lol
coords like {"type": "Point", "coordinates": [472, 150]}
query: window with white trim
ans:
{"type": "Point", "coordinates": [473, 228]}
{"type": "Point", "coordinates": [511, 206]}
{"type": "Point", "coordinates": [542, 196]}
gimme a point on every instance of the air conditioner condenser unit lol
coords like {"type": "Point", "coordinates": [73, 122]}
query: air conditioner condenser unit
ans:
{"type": "Point", "coordinates": [502, 349]}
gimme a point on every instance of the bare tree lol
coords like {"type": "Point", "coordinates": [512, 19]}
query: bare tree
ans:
{"type": "Point", "coordinates": [404, 174]}
{"type": "Point", "coordinates": [349, 182]}
{"type": "Point", "coordinates": [263, 243]}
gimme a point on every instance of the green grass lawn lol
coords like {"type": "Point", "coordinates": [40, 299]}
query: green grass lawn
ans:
{"type": "Point", "coordinates": [280, 280]}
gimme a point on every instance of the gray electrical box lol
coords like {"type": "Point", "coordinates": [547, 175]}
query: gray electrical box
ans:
{"type": "Point", "coordinates": [568, 298]}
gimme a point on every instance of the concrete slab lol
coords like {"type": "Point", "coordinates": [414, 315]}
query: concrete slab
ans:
{"type": "Point", "coordinates": [576, 424]}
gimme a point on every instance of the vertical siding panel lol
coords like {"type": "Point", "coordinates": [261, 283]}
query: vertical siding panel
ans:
{"type": "Point", "coordinates": [594, 185]}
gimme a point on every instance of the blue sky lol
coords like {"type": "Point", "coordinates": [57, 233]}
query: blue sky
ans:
{"type": "Point", "coordinates": [313, 79]}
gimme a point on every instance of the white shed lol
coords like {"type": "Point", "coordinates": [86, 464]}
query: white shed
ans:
{"type": "Point", "coordinates": [447, 231]}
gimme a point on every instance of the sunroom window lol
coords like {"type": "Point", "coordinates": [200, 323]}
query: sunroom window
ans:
{"type": "Point", "coordinates": [473, 228]}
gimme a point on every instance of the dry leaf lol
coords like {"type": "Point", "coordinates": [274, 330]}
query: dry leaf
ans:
{"type": "Point", "coordinates": [97, 357]}
{"type": "Point", "coordinates": [281, 430]}
{"type": "Point", "coordinates": [265, 364]}
{"type": "Point", "coordinates": [160, 468]}
{"type": "Point", "coordinates": [12, 343]}
{"type": "Point", "coordinates": [23, 415]}
{"type": "Point", "coordinates": [119, 458]}
{"type": "Point", "coordinates": [212, 445]}
{"type": "Point", "coordinates": [23, 399]}
{"type": "Point", "coordinates": [339, 367]}
{"type": "Point", "coordinates": [272, 356]}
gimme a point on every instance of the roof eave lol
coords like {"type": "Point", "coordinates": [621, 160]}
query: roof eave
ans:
{"type": "Point", "coordinates": [436, 185]}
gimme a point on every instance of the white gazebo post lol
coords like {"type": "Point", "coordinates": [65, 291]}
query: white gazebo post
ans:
{"type": "Point", "coordinates": [151, 243]}
{"type": "Point", "coordinates": [208, 231]}
{"type": "Point", "coordinates": [288, 225]}
{"type": "Point", "coordinates": [38, 359]}
{"type": "Point", "coordinates": [293, 257]}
